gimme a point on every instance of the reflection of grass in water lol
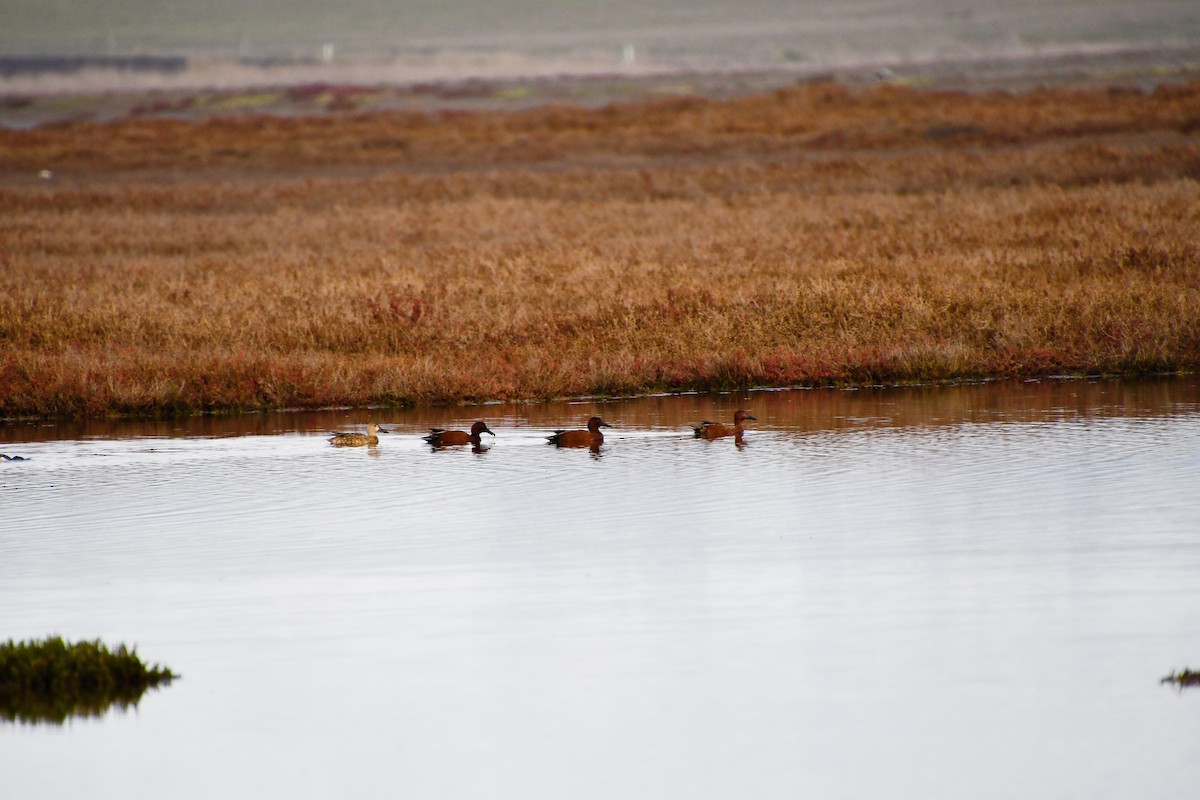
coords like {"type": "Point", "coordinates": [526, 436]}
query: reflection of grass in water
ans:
{"type": "Point", "coordinates": [50, 680]}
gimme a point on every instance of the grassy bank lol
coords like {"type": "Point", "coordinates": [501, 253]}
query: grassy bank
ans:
{"type": "Point", "coordinates": [809, 236]}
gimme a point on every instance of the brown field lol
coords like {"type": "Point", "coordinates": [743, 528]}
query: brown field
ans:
{"type": "Point", "coordinates": [814, 235]}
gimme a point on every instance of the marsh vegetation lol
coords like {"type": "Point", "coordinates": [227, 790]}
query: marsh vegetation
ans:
{"type": "Point", "coordinates": [816, 235]}
{"type": "Point", "coordinates": [49, 680]}
{"type": "Point", "coordinates": [1182, 678]}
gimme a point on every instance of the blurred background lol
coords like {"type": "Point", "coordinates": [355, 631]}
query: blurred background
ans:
{"type": "Point", "coordinates": [60, 45]}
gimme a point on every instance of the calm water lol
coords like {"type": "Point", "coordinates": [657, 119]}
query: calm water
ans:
{"type": "Point", "coordinates": [929, 593]}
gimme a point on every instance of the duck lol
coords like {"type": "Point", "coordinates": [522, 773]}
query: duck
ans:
{"type": "Point", "coordinates": [3, 457]}
{"type": "Point", "coordinates": [439, 437]}
{"type": "Point", "coordinates": [371, 437]}
{"type": "Point", "coordinates": [715, 430]}
{"type": "Point", "coordinates": [589, 438]}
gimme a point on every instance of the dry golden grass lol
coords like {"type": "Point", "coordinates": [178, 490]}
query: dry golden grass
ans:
{"type": "Point", "coordinates": [813, 235]}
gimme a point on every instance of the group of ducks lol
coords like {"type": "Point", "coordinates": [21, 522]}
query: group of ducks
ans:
{"type": "Point", "coordinates": [592, 437]}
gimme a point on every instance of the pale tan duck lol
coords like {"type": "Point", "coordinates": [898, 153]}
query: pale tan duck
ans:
{"type": "Point", "coordinates": [371, 437]}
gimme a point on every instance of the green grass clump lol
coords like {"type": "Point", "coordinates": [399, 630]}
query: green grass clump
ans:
{"type": "Point", "coordinates": [1185, 677]}
{"type": "Point", "coordinates": [50, 680]}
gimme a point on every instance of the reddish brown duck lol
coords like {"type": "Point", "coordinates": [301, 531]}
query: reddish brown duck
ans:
{"type": "Point", "coordinates": [715, 430]}
{"type": "Point", "coordinates": [592, 436]}
{"type": "Point", "coordinates": [441, 438]}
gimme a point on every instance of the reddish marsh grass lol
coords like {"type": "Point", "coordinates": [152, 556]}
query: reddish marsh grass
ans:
{"type": "Point", "coordinates": [809, 236]}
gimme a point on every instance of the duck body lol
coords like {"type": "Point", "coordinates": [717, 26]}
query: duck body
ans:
{"type": "Point", "coordinates": [592, 436]}
{"type": "Point", "coordinates": [715, 430]}
{"type": "Point", "coordinates": [439, 437]}
{"type": "Point", "coordinates": [370, 438]}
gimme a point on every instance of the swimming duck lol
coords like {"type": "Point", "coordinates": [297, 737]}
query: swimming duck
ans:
{"type": "Point", "coordinates": [371, 437]}
{"type": "Point", "coordinates": [440, 438]}
{"type": "Point", "coordinates": [12, 458]}
{"type": "Point", "coordinates": [592, 436]}
{"type": "Point", "coordinates": [715, 430]}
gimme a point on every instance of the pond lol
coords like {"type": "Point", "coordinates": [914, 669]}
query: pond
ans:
{"type": "Point", "coordinates": [933, 592]}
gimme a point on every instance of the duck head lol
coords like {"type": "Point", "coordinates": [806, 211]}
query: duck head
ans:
{"type": "Point", "coordinates": [595, 424]}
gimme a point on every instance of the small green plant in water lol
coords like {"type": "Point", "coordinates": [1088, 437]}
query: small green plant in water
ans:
{"type": "Point", "coordinates": [1184, 677]}
{"type": "Point", "coordinates": [49, 680]}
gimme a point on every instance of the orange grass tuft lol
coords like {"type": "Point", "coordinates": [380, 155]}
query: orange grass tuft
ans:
{"type": "Point", "coordinates": [809, 236]}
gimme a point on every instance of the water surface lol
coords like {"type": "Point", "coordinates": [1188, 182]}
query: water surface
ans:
{"type": "Point", "coordinates": [931, 593]}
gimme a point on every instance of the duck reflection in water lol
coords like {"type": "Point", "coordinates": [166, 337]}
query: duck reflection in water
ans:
{"type": "Point", "coordinates": [439, 437]}
{"type": "Point", "coordinates": [371, 437]}
{"type": "Point", "coordinates": [716, 430]}
{"type": "Point", "coordinates": [591, 438]}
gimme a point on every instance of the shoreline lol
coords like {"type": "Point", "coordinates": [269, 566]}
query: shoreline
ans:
{"type": "Point", "coordinates": [219, 413]}
{"type": "Point", "coordinates": [420, 419]}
